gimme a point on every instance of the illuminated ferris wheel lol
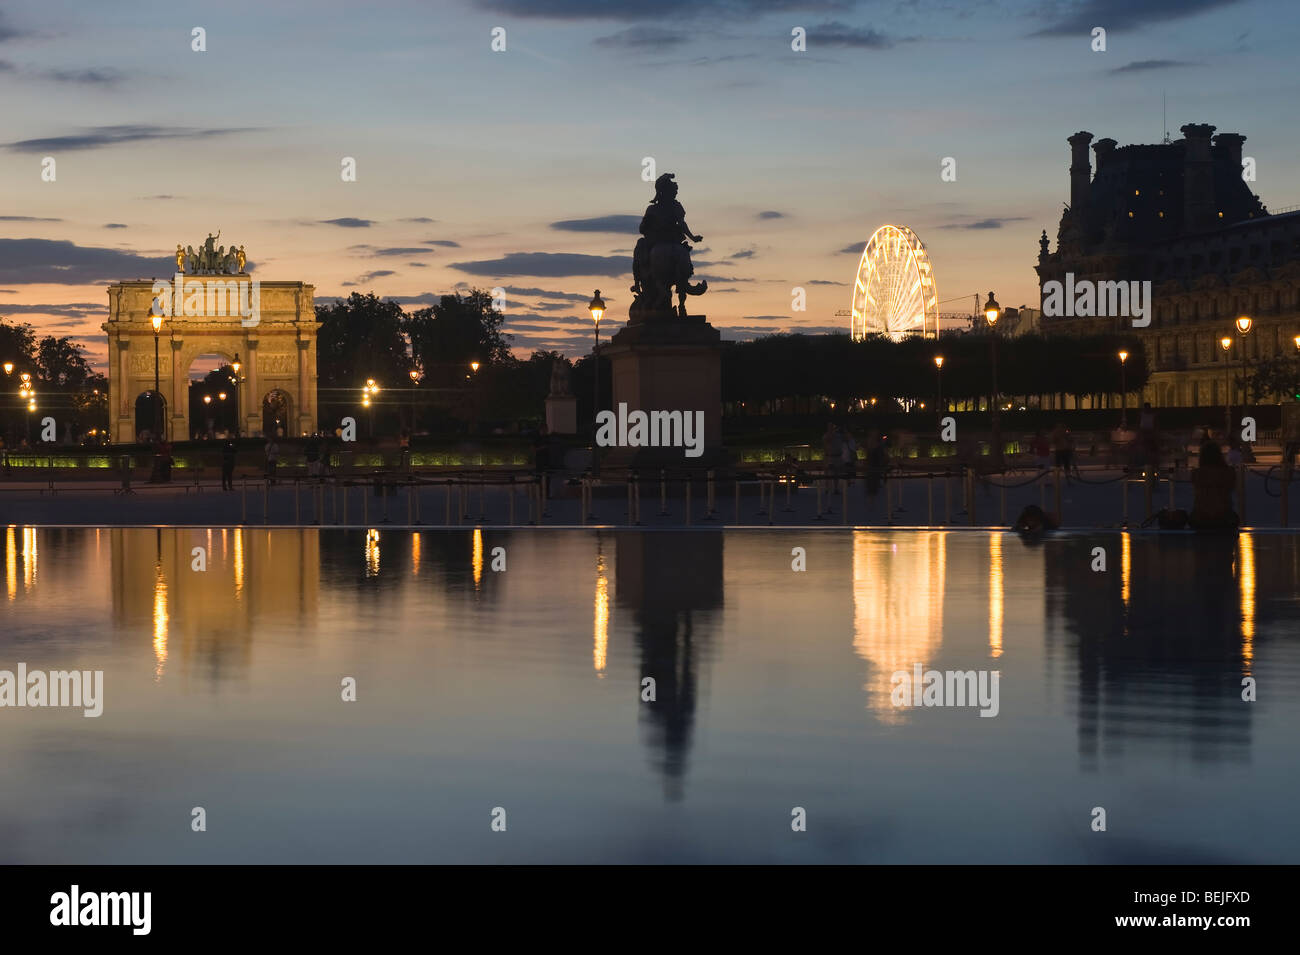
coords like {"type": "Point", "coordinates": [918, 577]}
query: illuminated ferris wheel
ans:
{"type": "Point", "coordinates": [894, 293]}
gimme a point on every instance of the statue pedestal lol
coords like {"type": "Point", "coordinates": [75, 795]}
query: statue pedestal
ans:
{"type": "Point", "coordinates": [561, 414]}
{"type": "Point", "coordinates": [668, 364]}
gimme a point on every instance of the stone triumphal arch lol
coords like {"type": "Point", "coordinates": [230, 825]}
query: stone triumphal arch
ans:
{"type": "Point", "coordinates": [211, 306]}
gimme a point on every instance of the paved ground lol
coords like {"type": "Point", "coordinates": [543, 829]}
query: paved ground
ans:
{"type": "Point", "coordinates": [1097, 499]}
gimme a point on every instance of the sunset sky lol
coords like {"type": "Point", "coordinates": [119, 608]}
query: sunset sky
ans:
{"type": "Point", "coordinates": [522, 168]}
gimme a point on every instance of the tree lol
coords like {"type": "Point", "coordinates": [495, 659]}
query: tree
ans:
{"type": "Point", "coordinates": [61, 365]}
{"type": "Point", "coordinates": [17, 344]}
{"type": "Point", "coordinates": [1277, 377]}
{"type": "Point", "coordinates": [460, 329]}
{"type": "Point", "coordinates": [358, 339]}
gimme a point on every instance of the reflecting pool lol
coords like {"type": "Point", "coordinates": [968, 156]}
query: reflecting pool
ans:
{"type": "Point", "coordinates": [511, 670]}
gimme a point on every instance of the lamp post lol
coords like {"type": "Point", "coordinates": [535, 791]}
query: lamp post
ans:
{"type": "Point", "coordinates": [938, 374]}
{"type": "Point", "coordinates": [27, 393]}
{"type": "Point", "coordinates": [1123, 390]}
{"type": "Point", "coordinates": [156, 320]}
{"type": "Point", "coordinates": [991, 312]}
{"type": "Point", "coordinates": [9, 370]}
{"type": "Point", "coordinates": [368, 390]}
{"type": "Point", "coordinates": [473, 396]}
{"type": "Point", "coordinates": [234, 366]}
{"type": "Point", "coordinates": [415, 377]}
{"type": "Point", "coordinates": [1243, 326]}
{"type": "Point", "coordinates": [1226, 344]}
{"type": "Point", "coordinates": [597, 308]}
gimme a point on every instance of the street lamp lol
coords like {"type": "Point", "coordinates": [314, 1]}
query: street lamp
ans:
{"type": "Point", "coordinates": [1123, 390]}
{"type": "Point", "coordinates": [938, 374]}
{"type": "Point", "coordinates": [992, 310]}
{"type": "Point", "coordinates": [367, 390]}
{"type": "Point", "coordinates": [1226, 344]}
{"type": "Point", "coordinates": [156, 320]}
{"type": "Point", "coordinates": [235, 366]}
{"type": "Point", "coordinates": [597, 308]}
{"type": "Point", "coordinates": [9, 368]}
{"type": "Point", "coordinates": [1243, 326]}
{"type": "Point", "coordinates": [415, 378]}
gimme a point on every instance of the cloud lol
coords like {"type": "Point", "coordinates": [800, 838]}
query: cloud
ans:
{"type": "Point", "coordinates": [643, 38]}
{"type": "Point", "coordinates": [67, 309]}
{"type": "Point", "coordinates": [114, 225]}
{"type": "Point", "coordinates": [550, 264]}
{"type": "Point", "coordinates": [994, 223]}
{"type": "Point", "coordinates": [824, 282]}
{"type": "Point", "coordinates": [854, 248]}
{"type": "Point", "coordinates": [392, 250]}
{"type": "Point", "coordinates": [49, 262]}
{"type": "Point", "coordinates": [1118, 16]}
{"type": "Point", "coordinates": [347, 222]}
{"type": "Point", "coordinates": [160, 197]}
{"type": "Point", "coordinates": [102, 76]}
{"type": "Point", "coordinates": [424, 219]}
{"type": "Point", "coordinates": [614, 223]}
{"type": "Point", "coordinates": [94, 137]}
{"type": "Point", "coordinates": [546, 293]}
{"type": "Point", "coordinates": [743, 254]}
{"type": "Point", "coordinates": [841, 34]}
{"type": "Point", "coordinates": [660, 10]}
{"type": "Point", "coordinates": [27, 219]}
{"type": "Point", "coordinates": [1142, 65]}
{"type": "Point", "coordinates": [369, 277]}
{"type": "Point", "coordinates": [8, 32]}
{"type": "Point", "coordinates": [418, 265]}
{"type": "Point", "coordinates": [446, 243]}
{"type": "Point", "coordinates": [771, 214]}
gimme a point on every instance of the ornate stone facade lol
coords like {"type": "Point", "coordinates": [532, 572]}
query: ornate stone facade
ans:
{"type": "Point", "coordinates": [278, 351]}
{"type": "Point", "coordinates": [1179, 215]}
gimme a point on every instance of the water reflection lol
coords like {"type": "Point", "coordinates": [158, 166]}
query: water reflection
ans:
{"type": "Point", "coordinates": [995, 595]}
{"type": "Point", "coordinates": [479, 682]}
{"type": "Point", "coordinates": [1162, 670]}
{"type": "Point", "coordinates": [673, 593]}
{"type": "Point", "coordinates": [600, 628]}
{"type": "Point", "coordinates": [898, 598]}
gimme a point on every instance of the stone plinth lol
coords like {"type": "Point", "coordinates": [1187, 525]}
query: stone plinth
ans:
{"type": "Point", "coordinates": [668, 364]}
{"type": "Point", "coordinates": [561, 414]}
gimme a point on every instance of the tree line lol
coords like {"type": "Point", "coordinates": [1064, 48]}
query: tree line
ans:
{"type": "Point", "coordinates": [834, 367]}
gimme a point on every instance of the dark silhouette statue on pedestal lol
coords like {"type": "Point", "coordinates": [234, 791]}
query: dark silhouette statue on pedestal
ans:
{"type": "Point", "coordinates": [662, 258]}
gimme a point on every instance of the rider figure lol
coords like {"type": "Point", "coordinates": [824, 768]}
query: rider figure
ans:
{"type": "Point", "coordinates": [664, 221]}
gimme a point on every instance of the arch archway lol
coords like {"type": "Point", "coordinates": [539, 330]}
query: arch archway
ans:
{"type": "Point", "coordinates": [276, 345]}
{"type": "Point", "coordinates": [277, 414]}
{"type": "Point", "coordinates": [150, 416]}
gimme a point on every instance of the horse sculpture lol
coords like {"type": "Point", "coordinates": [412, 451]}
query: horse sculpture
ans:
{"type": "Point", "coordinates": [661, 261]}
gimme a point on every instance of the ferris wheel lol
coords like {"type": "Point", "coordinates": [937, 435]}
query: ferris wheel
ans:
{"type": "Point", "coordinates": [894, 293]}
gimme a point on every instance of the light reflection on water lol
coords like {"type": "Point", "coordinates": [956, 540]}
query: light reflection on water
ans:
{"type": "Point", "coordinates": [478, 688]}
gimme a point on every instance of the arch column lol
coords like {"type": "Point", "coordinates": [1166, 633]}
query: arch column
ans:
{"type": "Point", "coordinates": [250, 404]}
{"type": "Point", "coordinates": [306, 414]}
{"type": "Point", "coordinates": [179, 401]}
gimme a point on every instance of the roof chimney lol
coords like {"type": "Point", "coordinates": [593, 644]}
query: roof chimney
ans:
{"type": "Point", "coordinates": [1199, 211]}
{"type": "Point", "coordinates": [1228, 145]}
{"type": "Point", "coordinates": [1103, 148]}
{"type": "Point", "coordinates": [1080, 171]}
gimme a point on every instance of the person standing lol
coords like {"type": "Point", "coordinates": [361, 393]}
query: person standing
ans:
{"type": "Point", "coordinates": [1213, 483]}
{"type": "Point", "coordinates": [312, 454]}
{"type": "Point", "coordinates": [228, 452]}
{"type": "Point", "coordinates": [1062, 448]}
{"type": "Point", "coordinates": [272, 458]}
{"type": "Point", "coordinates": [849, 455]}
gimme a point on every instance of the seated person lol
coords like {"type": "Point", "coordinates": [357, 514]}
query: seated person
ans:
{"type": "Point", "coordinates": [1213, 482]}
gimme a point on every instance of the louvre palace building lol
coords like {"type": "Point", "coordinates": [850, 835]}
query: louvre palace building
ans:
{"type": "Point", "coordinates": [1180, 216]}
